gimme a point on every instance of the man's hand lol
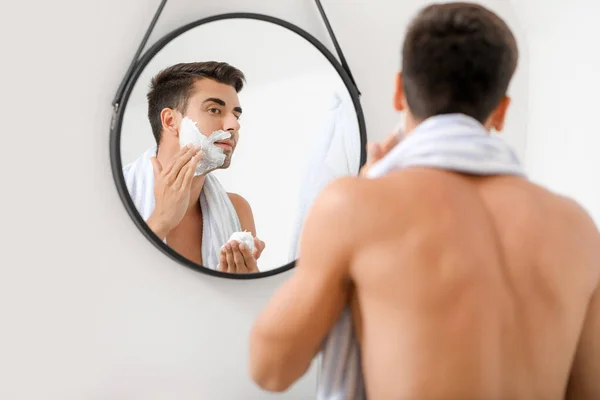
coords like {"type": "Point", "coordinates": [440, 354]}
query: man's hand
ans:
{"type": "Point", "coordinates": [236, 257]}
{"type": "Point", "coordinates": [376, 151]}
{"type": "Point", "coordinates": [259, 246]}
{"type": "Point", "coordinates": [172, 190]}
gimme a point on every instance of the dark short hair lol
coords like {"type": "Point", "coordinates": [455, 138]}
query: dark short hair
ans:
{"type": "Point", "coordinates": [173, 86]}
{"type": "Point", "coordinates": [457, 58]}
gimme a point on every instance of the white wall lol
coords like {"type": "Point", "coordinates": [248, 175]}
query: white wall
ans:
{"type": "Point", "coordinates": [564, 137]}
{"type": "Point", "coordinates": [89, 309]}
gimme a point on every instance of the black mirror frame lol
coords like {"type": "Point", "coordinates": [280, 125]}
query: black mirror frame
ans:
{"type": "Point", "coordinates": [119, 112]}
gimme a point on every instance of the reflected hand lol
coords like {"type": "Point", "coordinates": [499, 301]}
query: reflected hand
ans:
{"type": "Point", "coordinates": [259, 246]}
{"type": "Point", "coordinates": [236, 258]}
{"type": "Point", "coordinates": [172, 190]}
{"type": "Point", "coordinates": [376, 151]}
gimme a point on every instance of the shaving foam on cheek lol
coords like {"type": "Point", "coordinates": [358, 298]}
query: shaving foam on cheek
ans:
{"type": "Point", "coordinates": [213, 156]}
{"type": "Point", "coordinates": [245, 238]}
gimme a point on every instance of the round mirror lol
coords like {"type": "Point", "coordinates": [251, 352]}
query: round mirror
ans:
{"type": "Point", "coordinates": [227, 130]}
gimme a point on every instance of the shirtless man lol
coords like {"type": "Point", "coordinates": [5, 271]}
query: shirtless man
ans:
{"type": "Point", "coordinates": [461, 287]}
{"type": "Point", "coordinates": [207, 93]}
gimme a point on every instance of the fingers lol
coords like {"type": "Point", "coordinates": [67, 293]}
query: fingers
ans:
{"type": "Point", "coordinates": [377, 150]}
{"type": "Point", "coordinates": [238, 258]}
{"type": "Point", "coordinates": [244, 252]}
{"type": "Point", "coordinates": [223, 266]}
{"type": "Point", "coordinates": [373, 154]}
{"type": "Point", "coordinates": [258, 242]}
{"type": "Point", "coordinates": [257, 251]}
{"type": "Point", "coordinates": [229, 259]}
{"type": "Point", "coordinates": [259, 246]}
{"type": "Point", "coordinates": [249, 259]}
{"type": "Point", "coordinates": [181, 152]}
{"type": "Point", "coordinates": [374, 151]}
{"type": "Point", "coordinates": [389, 143]}
{"type": "Point", "coordinates": [180, 160]}
{"type": "Point", "coordinates": [185, 178]}
{"type": "Point", "coordinates": [190, 164]}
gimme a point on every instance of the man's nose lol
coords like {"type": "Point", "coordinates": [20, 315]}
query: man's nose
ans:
{"type": "Point", "coordinates": [231, 123]}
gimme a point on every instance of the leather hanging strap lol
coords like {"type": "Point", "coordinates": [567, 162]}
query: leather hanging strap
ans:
{"type": "Point", "coordinates": [161, 6]}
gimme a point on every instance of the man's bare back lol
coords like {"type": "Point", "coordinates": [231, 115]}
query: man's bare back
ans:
{"type": "Point", "coordinates": [461, 287]}
{"type": "Point", "coordinates": [479, 289]}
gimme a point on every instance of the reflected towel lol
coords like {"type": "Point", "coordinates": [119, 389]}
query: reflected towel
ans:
{"type": "Point", "coordinates": [453, 142]}
{"type": "Point", "coordinates": [335, 153]}
{"type": "Point", "coordinates": [219, 217]}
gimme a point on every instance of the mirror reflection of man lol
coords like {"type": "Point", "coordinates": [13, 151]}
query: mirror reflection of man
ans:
{"type": "Point", "coordinates": [193, 214]}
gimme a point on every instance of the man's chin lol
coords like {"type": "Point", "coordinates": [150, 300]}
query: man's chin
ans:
{"type": "Point", "coordinates": [226, 164]}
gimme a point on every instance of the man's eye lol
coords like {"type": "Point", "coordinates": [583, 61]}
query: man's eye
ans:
{"type": "Point", "coordinates": [214, 111]}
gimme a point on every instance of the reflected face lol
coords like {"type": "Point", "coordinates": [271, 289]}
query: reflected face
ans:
{"type": "Point", "coordinates": [216, 106]}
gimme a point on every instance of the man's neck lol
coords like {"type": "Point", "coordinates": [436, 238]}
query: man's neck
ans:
{"type": "Point", "coordinates": [197, 185]}
{"type": "Point", "coordinates": [412, 123]}
{"type": "Point", "coordinates": [166, 153]}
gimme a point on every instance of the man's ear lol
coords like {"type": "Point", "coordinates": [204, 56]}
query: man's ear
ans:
{"type": "Point", "coordinates": [498, 117]}
{"type": "Point", "coordinates": [399, 98]}
{"type": "Point", "coordinates": [170, 123]}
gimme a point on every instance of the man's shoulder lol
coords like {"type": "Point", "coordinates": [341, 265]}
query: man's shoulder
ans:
{"type": "Point", "coordinates": [345, 192]}
{"type": "Point", "coordinates": [237, 199]}
{"type": "Point", "coordinates": [575, 224]}
{"type": "Point", "coordinates": [348, 200]}
{"type": "Point", "coordinates": [244, 212]}
{"type": "Point", "coordinates": [576, 212]}
{"type": "Point", "coordinates": [240, 204]}
{"type": "Point", "coordinates": [565, 207]}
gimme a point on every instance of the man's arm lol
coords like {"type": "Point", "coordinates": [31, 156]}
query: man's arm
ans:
{"type": "Point", "coordinates": [244, 212]}
{"type": "Point", "coordinates": [584, 382]}
{"type": "Point", "coordinates": [289, 332]}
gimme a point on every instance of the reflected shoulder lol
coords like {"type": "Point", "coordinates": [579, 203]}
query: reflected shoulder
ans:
{"type": "Point", "coordinates": [244, 212]}
{"type": "Point", "coordinates": [238, 201]}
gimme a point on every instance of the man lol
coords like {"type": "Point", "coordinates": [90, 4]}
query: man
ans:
{"type": "Point", "coordinates": [461, 286]}
{"type": "Point", "coordinates": [162, 182]}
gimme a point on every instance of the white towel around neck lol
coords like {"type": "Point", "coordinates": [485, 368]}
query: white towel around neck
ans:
{"type": "Point", "coordinates": [219, 217]}
{"type": "Point", "coordinates": [453, 142]}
